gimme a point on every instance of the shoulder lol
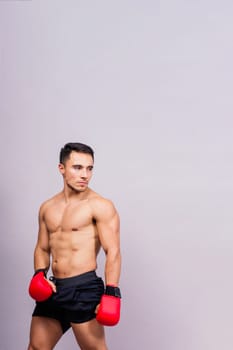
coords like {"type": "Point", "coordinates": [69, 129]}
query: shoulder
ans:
{"type": "Point", "coordinates": [101, 206]}
{"type": "Point", "coordinates": [47, 204]}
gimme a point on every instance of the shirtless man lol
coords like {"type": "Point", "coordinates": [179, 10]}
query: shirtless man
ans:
{"type": "Point", "coordinates": [73, 226]}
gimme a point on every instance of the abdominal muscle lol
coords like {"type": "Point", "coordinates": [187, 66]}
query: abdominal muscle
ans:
{"type": "Point", "coordinates": [73, 253]}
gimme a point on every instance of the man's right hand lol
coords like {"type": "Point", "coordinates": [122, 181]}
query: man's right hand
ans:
{"type": "Point", "coordinates": [40, 288]}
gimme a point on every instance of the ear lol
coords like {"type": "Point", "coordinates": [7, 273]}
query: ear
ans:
{"type": "Point", "coordinates": [61, 168]}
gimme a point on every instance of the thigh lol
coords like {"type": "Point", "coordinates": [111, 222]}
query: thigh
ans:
{"type": "Point", "coordinates": [90, 335]}
{"type": "Point", "coordinates": [44, 333]}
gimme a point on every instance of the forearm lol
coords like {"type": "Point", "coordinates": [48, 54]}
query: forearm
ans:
{"type": "Point", "coordinates": [112, 268]}
{"type": "Point", "coordinates": [41, 258]}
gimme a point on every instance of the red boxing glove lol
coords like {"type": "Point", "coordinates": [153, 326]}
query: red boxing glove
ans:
{"type": "Point", "coordinates": [109, 309]}
{"type": "Point", "coordinates": [39, 288]}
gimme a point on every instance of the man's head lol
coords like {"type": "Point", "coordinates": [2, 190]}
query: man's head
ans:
{"type": "Point", "coordinates": [76, 165]}
{"type": "Point", "coordinates": [74, 146]}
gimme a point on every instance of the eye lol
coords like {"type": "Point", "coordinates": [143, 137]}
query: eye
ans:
{"type": "Point", "coordinates": [77, 167]}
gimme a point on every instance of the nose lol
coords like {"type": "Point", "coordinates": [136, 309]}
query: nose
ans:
{"type": "Point", "coordinates": [84, 173]}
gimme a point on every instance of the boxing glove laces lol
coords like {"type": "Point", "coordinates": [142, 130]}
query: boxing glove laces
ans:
{"type": "Point", "coordinates": [39, 288]}
{"type": "Point", "coordinates": [109, 309]}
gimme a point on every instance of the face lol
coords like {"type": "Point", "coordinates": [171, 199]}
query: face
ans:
{"type": "Point", "coordinates": [77, 171]}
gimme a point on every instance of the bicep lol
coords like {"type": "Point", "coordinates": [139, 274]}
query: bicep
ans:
{"type": "Point", "coordinates": [108, 226]}
{"type": "Point", "coordinates": [43, 236]}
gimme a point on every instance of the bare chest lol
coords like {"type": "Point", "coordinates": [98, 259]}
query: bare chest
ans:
{"type": "Point", "coordinates": [69, 218]}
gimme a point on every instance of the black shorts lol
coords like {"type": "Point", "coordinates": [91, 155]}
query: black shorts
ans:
{"type": "Point", "coordinates": [75, 300]}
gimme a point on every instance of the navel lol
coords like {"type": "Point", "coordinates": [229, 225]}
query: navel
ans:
{"type": "Point", "coordinates": [74, 229]}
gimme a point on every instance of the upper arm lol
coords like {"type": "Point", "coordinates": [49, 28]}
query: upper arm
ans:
{"type": "Point", "coordinates": [108, 225]}
{"type": "Point", "coordinates": [43, 235]}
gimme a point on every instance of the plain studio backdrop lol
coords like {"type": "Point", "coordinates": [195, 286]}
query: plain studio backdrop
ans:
{"type": "Point", "coordinates": [148, 84]}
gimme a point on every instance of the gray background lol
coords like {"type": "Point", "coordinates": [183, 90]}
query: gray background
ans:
{"type": "Point", "coordinates": [148, 85]}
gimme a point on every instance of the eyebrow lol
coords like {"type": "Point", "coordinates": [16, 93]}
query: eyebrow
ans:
{"type": "Point", "coordinates": [80, 165]}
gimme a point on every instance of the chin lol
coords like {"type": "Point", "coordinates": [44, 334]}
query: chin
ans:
{"type": "Point", "coordinates": [77, 189]}
{"type": "Point", "coordinates": [81, 189]}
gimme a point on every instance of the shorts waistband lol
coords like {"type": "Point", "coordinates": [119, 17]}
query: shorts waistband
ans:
{"type": "Point", "coordinates": [74, 280]}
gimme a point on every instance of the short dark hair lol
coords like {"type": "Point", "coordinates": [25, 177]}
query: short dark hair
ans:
{"type": "Point", "coordinates": [74, 146]}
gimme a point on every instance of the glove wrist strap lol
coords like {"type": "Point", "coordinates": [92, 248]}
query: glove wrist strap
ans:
{"type": "Point", "coordinates": [41, 270]}
{"type": "Point", "coordinates": [113, 291]}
